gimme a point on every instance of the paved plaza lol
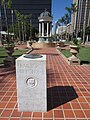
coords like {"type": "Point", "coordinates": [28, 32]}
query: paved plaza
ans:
{"type": "Point", "coordinates": [68, 91]}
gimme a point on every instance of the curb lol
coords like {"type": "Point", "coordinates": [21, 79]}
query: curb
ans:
{"type": "Point", "coordinates": [65, 58]}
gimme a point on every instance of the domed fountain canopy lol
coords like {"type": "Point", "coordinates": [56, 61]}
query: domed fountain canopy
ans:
{"type": "Point", "coordinates": [45, 26]}
{"type": "Point", "coordinates": [45, 14]}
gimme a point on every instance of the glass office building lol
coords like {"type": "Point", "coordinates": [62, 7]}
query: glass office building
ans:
{"type": "Point", "coordinates": [34, 7]}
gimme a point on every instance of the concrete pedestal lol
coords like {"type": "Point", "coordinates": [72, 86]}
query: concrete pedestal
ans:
{"type": "Point", "coordinates": [74, 60]}
{"type": "Point", "coordinates": [31, 84]}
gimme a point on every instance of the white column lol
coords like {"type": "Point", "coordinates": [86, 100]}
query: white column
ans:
{"type": "Point", "coordinates": [50, 29]}
{"type": "Point", "coordinates": [42, 29]}
{"type": "Point", "coordinates": [47, 29]}
{"type": "Point", "coordinates": [39, 29]}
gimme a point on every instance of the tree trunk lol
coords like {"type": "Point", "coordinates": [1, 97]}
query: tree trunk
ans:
{"type": "Point", "coordinates": [30, 29]}
{"type": "Point", "coordinates": [62, 32]}
{"type": "Point", "coordinates": [0, 27]}
{"type": "Point", "coordinates": [19, 31]}
{"type": "Point", "coordinates": [5, 12]}
{"type": "Point", "coordinates": [66, 31]}
{"type": "Point", "coordinates": [23, 31]}
{"type": "Point", "coordinates": [73, 24]}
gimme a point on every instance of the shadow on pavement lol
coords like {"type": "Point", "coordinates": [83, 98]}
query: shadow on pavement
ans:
{"type": "Point", "coordinates": [60, 95]}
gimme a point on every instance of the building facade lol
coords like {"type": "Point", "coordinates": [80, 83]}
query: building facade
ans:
{"type": "Point", "coordinates": [61, 30]}
{"type": "Point", "coordinates": [82, 16]}
{"type": "Point", "coordinates": [34, 7]}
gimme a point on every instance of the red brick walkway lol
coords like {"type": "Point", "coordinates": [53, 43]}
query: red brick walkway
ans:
{"type": "Point", "coordinates": [68, 91]}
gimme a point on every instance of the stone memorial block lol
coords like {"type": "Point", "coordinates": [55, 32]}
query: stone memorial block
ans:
{"type": "Point", "coordinates": [31, 83]}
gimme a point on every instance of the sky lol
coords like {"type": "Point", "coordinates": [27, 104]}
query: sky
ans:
{"type": "Point", "coordinates": [58, 8]}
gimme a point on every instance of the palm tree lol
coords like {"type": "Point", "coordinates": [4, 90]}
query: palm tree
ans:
{"type": "Point", "coordinates": [30, 29]}
{"type": "Point", "coordinates": [62, 21]}
{"type": "Point", "coordinates": [12, 22]}
{"type": "Point", "coordinates": [56, 26]}
{"type": "Point", "coordinates": [9, 3]}
{"type": "Point", "coordinates": [73, 9]}
{"type": "Point", "coordinates": [6, 4]}
{"type": "Point", "coordinates": [66, 17]}
{"type": "Point", "coordinates": [17, 13]}
{"type": "Point", "coordinates": [22, 22]}
{"type": "Point", "coordinates": [69, 10]}
{"type": "Point", "coordinates": [87, 30]}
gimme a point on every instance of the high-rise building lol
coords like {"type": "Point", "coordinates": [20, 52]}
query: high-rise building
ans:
{"type": "Point", "coordinates": [0, 24]}
{"type": "Point", "coordinates": [34, 7]}
{"type": "Point", "coordinates": [82, 15]}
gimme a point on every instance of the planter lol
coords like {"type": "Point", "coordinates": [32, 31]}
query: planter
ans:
{"type": "Point", "coordinates": [29, 44]}
{"type": "Point", "coordinates": [60, 44]}
{"type": "Point", "coordinates": [73, 59]}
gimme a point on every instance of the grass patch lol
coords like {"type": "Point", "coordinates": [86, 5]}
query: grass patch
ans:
{"type": "Point", "coordinates": [66, 53]}
{"type": "Point", "coordinates": [16, 53]}
{"type": "Point", "coordinates": [83, 55]}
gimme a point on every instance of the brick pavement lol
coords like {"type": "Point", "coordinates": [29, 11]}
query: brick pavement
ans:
{"type": "Point", "coordinates": [68, 91]}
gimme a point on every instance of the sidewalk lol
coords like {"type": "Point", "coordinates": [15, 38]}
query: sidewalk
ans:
{"type": "Point", "coordinates": [68, 91]}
